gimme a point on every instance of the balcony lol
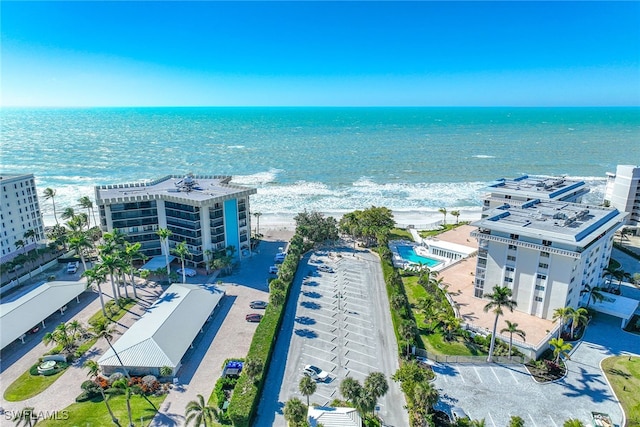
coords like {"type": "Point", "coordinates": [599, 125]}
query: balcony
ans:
{"type": "Point", "coordinates": [484, 236]}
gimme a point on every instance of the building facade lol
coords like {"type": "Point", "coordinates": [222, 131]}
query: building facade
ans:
{"type": "Point", "coordinates": [623, 192]}
{"type": "Point", "coordinates": [206, 212]}
{"type": "Point", "coordinates": [19, 213]}
{"type": "Point", "coordinates": [544, 251]}
{"type": "Point", "coordinates": [520, 190]}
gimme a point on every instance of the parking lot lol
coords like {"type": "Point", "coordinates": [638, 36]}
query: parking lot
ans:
{"type": "Point", "coordinates": [339, 322]}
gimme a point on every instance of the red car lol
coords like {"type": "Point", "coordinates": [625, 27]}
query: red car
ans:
{"type": "Point", "coordinates": [253, 317]}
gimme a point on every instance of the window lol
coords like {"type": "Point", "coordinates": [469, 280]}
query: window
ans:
{"type": "Point", "coordinates": [543, 265]}
{"type": "Point", "coordinates": [538, 299]}
{"type": "Point", "coordinates": [508, 279]}
{"type": "Point", "coordinates": [539, 288]}
{"type": "Point", "coordinates": [509, 269]}
{"type": "Point", "coordinates": [511, 258]}
{"type": "Point", "coordinates": [514, 236]}
{"type": "Point", "coordinates": [542, 276]}
{"type": "Point", "coordinates": [546, 243]}
{"type": "Point", "coordinates": [513, 247]}
{"type": "Point", "coordinates": [544, 254]}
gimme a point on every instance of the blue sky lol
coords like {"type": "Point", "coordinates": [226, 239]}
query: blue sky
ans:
{"type": "Point", "coordinates": [320, 53]}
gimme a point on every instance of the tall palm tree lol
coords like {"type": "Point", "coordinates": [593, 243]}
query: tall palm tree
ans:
{"type": "Point", "coordinates": [424, 397]}
{"type": "Point", "coordinates": [105, 330]}
{"type": "Point", "coordinates": [377, 385]}
{"type": "Point", "coordinates": [182, 251]}
{"type": "Point", "coordinates": [560, 348]}
{"type": "Point", "coordinates": [512, 328]}
{"type": "Point", "coordinates": [562, 314]}
{"type": "Point", "coordinates": [132, 253]}
{"type": "Point", "coordinates": [407, 332]}
{"type": "Point", "coordinates": [257, 215]}
{"type": "Point", "coordinates": [198, 412]}
{"type": "Point", "coordinates": [68, 213]}
{"type": "Point", "coordinates": [443, 211]}
{"type": "Point", "coordinates": [20, 244]}
{"type": "Point", "coordinates": [307, 387]}
{"type": "Point", "coordinates": [350, 389]}
{"type": "Point", "coordinates": [578, 317]}
{"type": "Point", "coordinates": [295, 412]}
{"type": "Point", "coordinates": [50, 194]}
{"type": "Point", "coordinates": [98, 276]}
{"type": "Point", "coordinates": [499, 299]}
{"type": "Point", "coordinates": [456, 214]}
{"type": "Point", "coordinates": [79, 243]}
{"type": "Point", "coordinates": [573, 422]}
{"type": "Point", "coordinates": [30, 234]}
{"type": "Point", "coordinates": [86, 203]}
{"type": "Point", "coordinates": [93, 371]}
{"type": "Point", "coordinates": [123, 384]}
{"type": "Point", "coordinates": [594, 293]}
{"type": "Point", "coordinates": [164, 234]}
{"type": "Point", "coordinates": [253, 368]}
{"type": "Point", "coordinates": [110, 264]}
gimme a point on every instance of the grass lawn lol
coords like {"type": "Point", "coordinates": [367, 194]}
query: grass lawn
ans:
{"type": "Point", "coordinates": [400, 234]}
{"type": "Point", "coordinates": [27, 385]}
{"type": "Point", "coordinates": [95, 414]}
{"type": "Point", "coordinates": [115, 316]}
{"type": "Point", "coordinates": [624, 375]}
{"type": "Point", "coordinates": [435, 343]}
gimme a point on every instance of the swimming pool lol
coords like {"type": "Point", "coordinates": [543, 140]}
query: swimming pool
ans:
{"type": "Point", "coordinates": [408, 254]}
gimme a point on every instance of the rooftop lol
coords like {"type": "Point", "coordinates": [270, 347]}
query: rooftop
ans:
{"type": "Point", "coordinates": [195, 190]}
{"type": "Point", "coordinates": [544, 187]}
{"type": "Point", "coordinates": [555, 220]}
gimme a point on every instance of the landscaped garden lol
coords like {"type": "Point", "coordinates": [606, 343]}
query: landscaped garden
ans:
{"type": "Point", "coordinates": [623, 373]}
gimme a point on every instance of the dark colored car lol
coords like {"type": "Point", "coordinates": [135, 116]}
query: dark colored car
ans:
{"type": "Point", "coordinates": [253, 317]}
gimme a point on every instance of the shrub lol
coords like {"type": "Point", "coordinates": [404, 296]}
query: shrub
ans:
{"type": "Point", "coordinates": [115, 377]}
{"type": "Point", "coordinates": [34, 370]}
{"type": "Point", "coordinates": [83, 397]}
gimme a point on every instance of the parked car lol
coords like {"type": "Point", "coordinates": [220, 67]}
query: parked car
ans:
{"type": "Point", "coordinates": [258, 304]}
{"type": "Point", "coordinates": [280, 257]}
{"type": "Point", "coordinates": [72, 267]}
{"type": "Point", "coordinates": [457, 413]}
{"type": "Point", "coordinates": [253, 317]}
{"type": "Point", "coordinates": [315, 373]}
{"type": "Point", "coordinates": [189, 272]}
{"type": "Point", "coordinates": [273, 269]}
{"type": "Point", "coordinates": [325, 268]}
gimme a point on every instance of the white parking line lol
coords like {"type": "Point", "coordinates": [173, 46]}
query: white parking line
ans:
{"type": "Point", "coordinates": [553, 422]}
{"type": "Point", "coordinates": [514, 377]}
{"type": "Point", "coordinates": [460, 373]}
{"type": "Point", "coordinates": [477, 373]}
{"type": "Point", "coordinates": [531, 418]}
{"type": "Point", "coordinates": [325, 361]}
{"type": "Point", "coordinates": [491, 419]}
{"type": "Point", "coordinates": [494, 373]}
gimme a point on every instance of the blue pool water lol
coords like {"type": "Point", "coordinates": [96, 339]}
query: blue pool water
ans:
{"type": "Point", "coordinates": [408, 254]}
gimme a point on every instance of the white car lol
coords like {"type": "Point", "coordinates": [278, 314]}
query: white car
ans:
{"type": "Point", "coordinates": [315, 373]}
{"type": "Point", "coordinates": [189, 272]}
{"type": "Point", "coordinates": [280, 257]}
{"type": "Point", "coordinates": [273, 269]}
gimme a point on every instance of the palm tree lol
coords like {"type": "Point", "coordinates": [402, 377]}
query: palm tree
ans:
{"type": "Point", "coordinates": [110, 264]}
{"type": "Point", "coordinates": [377, 385]}
{"type": "Point", "coordinates": [512, 328]}
{"type": "Point", "coordinates": [516, 421]}
{"type": "Point", "coordinates": [26, 415]}
{"type": "Point", "coordinates": [105, 330]}
{"type": "Point", "coordinates": [257, 215]}
{"type": "Point", "coordinates": [578, 317]}
{"type": "Point", "coordinates": [456, 214]}
{"type": "Point", "coordinates": [295, 412]}
{"type": "Point", "coordinates": [20, 244]}
{"type": "Point", "coordinates": [123, 384]}
{"type": "Point", "coordinates": [87, 204]}
{"type": "Point", "coordinates": [198, 412]}
{"type": "Point", "coordinates": [30, 234]}
{"type": "Point", "coordinates": [424, 397]}
{"type": "Point", "coordinates": [93, 371]}
{"type": "Point", "coordinates": [79, 243]}
{"type": "Point", "coordinates": [573, 422]}
{"type": "Point", "coordinates": [132, 253]}
{"type": "Point", "coordinates": [499, 299]}
{"type": "Point", "coordinates": [50, 193]}
{"type": "Point", "coordinates": [560, 348]}
{"type": "Point", "coordinates": [407, 332]}
{"type": "Point", "coordinates": [253, 367]}
{"type": "Point", "coordinates": [307, 387]}
{"type": "Point", "coordinates": [351, 389]}
{"type": "Point", "coordinates": [164, 234]}
{"type": "Point", "coordinates": [98, 276]}
{"type": "Point", "coordinates": [182, 251]}
{"type": "Point", "coordinates": [443, 211]}
{"type": "Point", "coordinates": [562, 314]}
{"type": "Point", "coordinates": [595, 293]}
{"type": "Point", "coordinates": [61, 335]}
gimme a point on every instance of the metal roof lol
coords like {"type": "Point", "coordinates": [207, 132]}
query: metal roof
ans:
{"type": "Point", "coordinates": [333, 417]}
{"type": "Point", "coordinates": [165, 332]}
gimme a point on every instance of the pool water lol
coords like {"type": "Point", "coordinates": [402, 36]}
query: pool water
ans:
{"type": "Point", "coordinates": [408, 254]}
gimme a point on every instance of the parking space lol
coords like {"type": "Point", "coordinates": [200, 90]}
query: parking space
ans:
{"type": "Point", "coordinates": [340, 322]}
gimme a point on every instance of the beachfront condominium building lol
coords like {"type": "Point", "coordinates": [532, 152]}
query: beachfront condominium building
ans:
{"type": "Point", "coordinates": [623, 192]}
{"type": "Point", "coordinates": [545, 251]}
{"type": "Point", "coordinates": [206, 212]}
{"type": "Point", "coordinates": [520, 190]}
{"type": "Point", "coordinates": [19, 214]}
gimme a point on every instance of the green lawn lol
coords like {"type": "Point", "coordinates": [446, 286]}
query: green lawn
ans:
{"type": "Point", "coordinates": [115, 316]}
{"type": "Point", "coordinates": [95, 414]}
{"type": "Point", "coordinates": [435, 343]}
{"type": "Point", "coordinates": [623, 373]}
{"type": "Point", "coordinates": [27, 385]}
{"type": "Point", "coordinates": [400, 234]}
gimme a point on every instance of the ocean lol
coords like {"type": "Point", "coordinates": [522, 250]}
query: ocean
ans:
{"type": "Point", "coordinates": [333, 160]}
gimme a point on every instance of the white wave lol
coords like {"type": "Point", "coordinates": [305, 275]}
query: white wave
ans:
{"type": "Point", "coordinates": [256, 178]}
{"type": "Point", "coordinates": [483, 156]}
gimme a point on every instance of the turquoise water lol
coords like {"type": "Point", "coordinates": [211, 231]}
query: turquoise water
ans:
{"type": "Point", "coordinates": [325, 159]}
{"type": "Point", "coordinates": [408, 254]}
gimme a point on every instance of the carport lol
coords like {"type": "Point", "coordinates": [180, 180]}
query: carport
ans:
{"type": "Point", "coordinates": [618, 306]}
{"type": "Point", "coordinates": [157, 262]}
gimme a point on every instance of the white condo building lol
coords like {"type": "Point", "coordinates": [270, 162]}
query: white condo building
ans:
{"type": "Point", "coordinates": [546, 251]}
{"type": "Point", "coordinates": [520, 190]}
{"type": "Point", "coordinates": [205, 211]}
{"type": "Point", "coordinates": [623, 192]}
{"type": "Point", "coordinates": [19, 213]}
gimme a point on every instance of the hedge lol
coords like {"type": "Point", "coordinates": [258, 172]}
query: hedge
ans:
{"type": "Point", "coordinates": [246, 394]}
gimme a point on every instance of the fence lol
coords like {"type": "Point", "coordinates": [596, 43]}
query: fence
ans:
{"type": "Point", "coordinates": [469, 359]}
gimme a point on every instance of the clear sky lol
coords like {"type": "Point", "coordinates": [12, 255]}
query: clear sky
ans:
{"type": "Point", "coordinates": [320, 53]}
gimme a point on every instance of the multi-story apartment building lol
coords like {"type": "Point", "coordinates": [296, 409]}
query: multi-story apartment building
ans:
{"type": "Point", "coordinates": [520, 190]}
{"type": "Point", "coordinates": [544, 251]}
{"type": "Point", "coordinates": [623, 192]}
{"type": "Point", "coordinates": [19, 213]}
{"type": "Point", "coordinates": [205, 211]}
